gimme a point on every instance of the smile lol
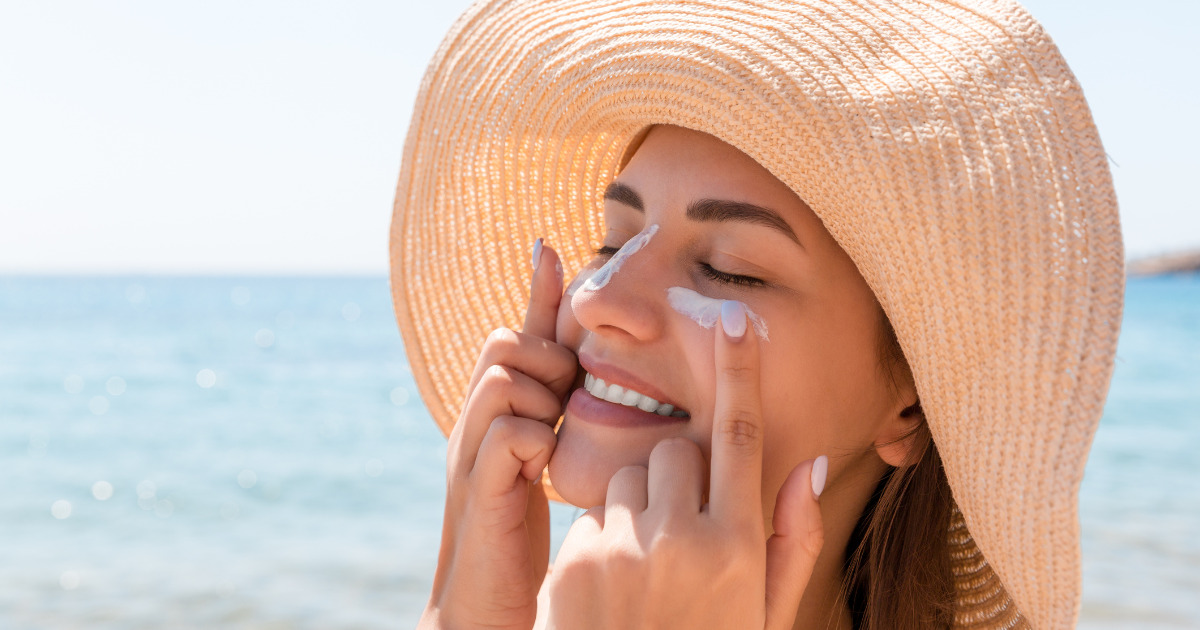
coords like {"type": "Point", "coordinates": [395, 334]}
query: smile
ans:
{"type": "Point", "coordinates": [614, 393]}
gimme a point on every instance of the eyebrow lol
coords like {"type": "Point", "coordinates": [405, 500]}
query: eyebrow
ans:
{"type": "Point", "coordinates": [710, 210]}
{"type": "Point", "coordinates": [624, 194]}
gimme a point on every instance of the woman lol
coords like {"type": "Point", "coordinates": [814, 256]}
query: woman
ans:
{"type": "Point", "coordinates": [858, 289]}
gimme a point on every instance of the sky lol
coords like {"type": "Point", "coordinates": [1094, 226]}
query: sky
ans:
{"type": "Point", "coordinates": [264, 137]}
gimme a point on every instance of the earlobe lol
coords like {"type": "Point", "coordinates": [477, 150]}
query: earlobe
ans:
{"type": "Point", "coordinates": [896, 442]}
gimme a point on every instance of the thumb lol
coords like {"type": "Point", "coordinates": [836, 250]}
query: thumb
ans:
{"type": "Point", "coordinates": [799, 535]}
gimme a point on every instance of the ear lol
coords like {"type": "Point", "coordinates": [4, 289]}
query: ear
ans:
{"type": "Point", "coordinates": [895, 441]}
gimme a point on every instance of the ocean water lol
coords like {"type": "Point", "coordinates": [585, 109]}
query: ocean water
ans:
{"type": "Point", "coordinates": [251, 453]}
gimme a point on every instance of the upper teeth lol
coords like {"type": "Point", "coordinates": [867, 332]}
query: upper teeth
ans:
{"type": "Point", "coordinates": [623, 396]}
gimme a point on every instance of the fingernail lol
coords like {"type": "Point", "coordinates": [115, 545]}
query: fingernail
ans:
{"type": "Point", "coordinates": [733, 318]}
{"type": "Point", "coordinates": [820, 470]}
{"type": "Point", "coordinates": [537, 253]}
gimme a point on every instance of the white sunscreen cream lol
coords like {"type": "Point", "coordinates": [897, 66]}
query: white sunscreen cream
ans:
{"type": "Point", "coordinates": [581, 278]}
{"type": "Point", "coordinates": [706, 311]}
{"type": "Point", "coordinates": [598, 280]}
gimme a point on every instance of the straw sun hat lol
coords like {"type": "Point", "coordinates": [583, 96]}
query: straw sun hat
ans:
{"type": "Point", "coordinates": [945, 145]}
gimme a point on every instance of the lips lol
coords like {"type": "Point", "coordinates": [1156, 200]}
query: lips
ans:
{"type": "Point", "coordinates": [613, 397]}
{"type": "Point", "coordinates": [628, 397]}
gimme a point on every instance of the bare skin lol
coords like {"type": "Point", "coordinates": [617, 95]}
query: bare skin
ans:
{"type": "Point", "coordinates": [719, 503]}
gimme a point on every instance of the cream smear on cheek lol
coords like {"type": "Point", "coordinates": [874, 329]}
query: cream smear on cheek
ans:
{"type": "Point", "coordinates": [600, 279]}
{"type": "Point", "coordinates": [706, 311]}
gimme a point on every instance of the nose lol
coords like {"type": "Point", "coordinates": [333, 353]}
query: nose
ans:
{"type": "Point", "coordinates": [623, 299]}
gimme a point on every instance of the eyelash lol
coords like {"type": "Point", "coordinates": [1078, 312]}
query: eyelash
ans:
{"type": "Point", "coordinates": [710, 272]}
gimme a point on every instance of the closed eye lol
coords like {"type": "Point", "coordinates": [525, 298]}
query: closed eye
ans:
{"type": "Point", "coordinates": [712, 273]}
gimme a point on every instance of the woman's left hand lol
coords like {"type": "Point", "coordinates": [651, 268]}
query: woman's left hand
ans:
{"type": "Point", "coordinates": [656, 556]}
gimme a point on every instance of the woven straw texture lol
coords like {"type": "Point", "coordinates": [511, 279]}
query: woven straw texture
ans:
{"type": "Point", "coordinates": [945, 145]}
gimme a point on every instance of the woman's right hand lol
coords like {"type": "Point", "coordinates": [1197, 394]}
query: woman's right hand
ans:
{"type": "Point", "coordinates": [496, 528]}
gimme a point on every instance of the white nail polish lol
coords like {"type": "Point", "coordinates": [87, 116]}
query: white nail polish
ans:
{"type": "Point", "coordinates": [706, 311]}
{"type": "Point", "coordinates": [537, 253]}
{"type": "Point", "coordinates": [820, 470]}
{"type": "Point", "coordinates": [733, 318]}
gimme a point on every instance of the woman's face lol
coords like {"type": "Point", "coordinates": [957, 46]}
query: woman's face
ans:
{"type": "Point", "coordinates": [706, 222]}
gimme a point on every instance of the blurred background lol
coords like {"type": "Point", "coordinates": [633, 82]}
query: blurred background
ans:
{"type": "Point", "coordinates": [206, 416]}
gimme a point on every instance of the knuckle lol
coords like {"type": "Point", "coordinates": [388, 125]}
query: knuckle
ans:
{"type": "Point", "coordinates": [736, 547]}
{"type": "Point", "coordinates": [624, 560]}
{"type": "Point", "coordinates": [813, 542]}
{"type": "Point", "coordinates": [497, 377]}
{"type": "Point", "coordinates": [501, 337]}
{"type": "Point", "coordinates": [739, 372]}
{"type": "Point", "coordinates": [502, 429]}
{"type": "Point", "coordinates": [742, 429]}
{"type": "Point", "coordinates": [628, 475]}
{"type": "Point", "coordinates": [674, 448]}
{"type": "Point", "coordinates": [672, 540]}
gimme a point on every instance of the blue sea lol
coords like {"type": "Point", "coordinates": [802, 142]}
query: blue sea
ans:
{"type": "Point", "coordinates": [235, 452]}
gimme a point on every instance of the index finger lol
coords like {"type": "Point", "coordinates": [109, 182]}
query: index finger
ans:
{"type": "Point", "coordinates": [735, 486]}
{"type": "Point", "coordinates": [546, 292]}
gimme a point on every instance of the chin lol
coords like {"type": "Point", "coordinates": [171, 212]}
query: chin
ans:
{"type": "Point", "coordinates": [582, 465]}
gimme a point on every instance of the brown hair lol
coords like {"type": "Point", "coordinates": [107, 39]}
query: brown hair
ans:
{"type": "Point", "coordinates": [897, 566]}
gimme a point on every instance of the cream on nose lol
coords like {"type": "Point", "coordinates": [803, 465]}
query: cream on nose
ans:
{"type": "Point", "coordinates": [579, 281]}
{"type": "Point", "coordinates": [600, 279]}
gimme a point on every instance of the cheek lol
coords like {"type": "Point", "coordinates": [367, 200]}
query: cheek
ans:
{"type": "Point", "coordinates": [823, 396]}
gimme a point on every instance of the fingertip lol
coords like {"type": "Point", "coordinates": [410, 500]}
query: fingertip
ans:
{"type": "Point", "coordinates": [545, 292]}
{"type": "Point", "coordinates": [536, 259]}
{"type": "Point", "coordinates": [792, 504]}
{"type": "Point", "coordinates": [820, 470]}
{"type": "Point", "coordinates": [545, 256]}
{"type": "Point", "coordinates": [733, 319]}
